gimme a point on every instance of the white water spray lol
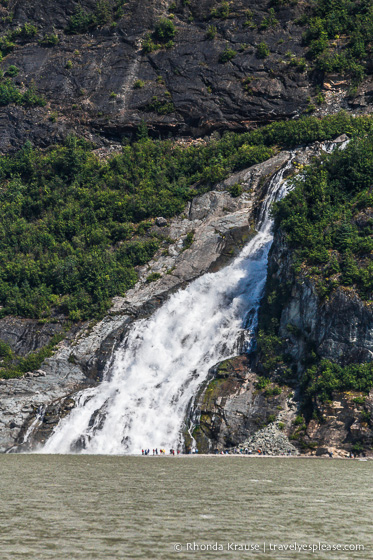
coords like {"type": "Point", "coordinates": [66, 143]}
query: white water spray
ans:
{"type": "Point", "coordinates": [155, 373]}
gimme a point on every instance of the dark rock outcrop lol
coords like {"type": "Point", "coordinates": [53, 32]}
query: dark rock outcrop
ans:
{"type": "Point", "coordinates": [100, 84]}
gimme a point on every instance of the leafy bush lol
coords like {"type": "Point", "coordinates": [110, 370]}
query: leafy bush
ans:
{"type": "Point", "coordinates": [164, 30]}
{"type": "Point", "coordinates": [12, 71]}
{"type": "Point", "coordinates": [153, 277]}
{"type": "Point", "coordinates": [10, 93]}
{"type": "Point", "coordinates": [262, 50]}
{"type": "Point", "coordinates": [221, 12]}
{"type": "Point", "coordinates": [49, 40]}
{"type": "Point", "coordinates": [227, 55]}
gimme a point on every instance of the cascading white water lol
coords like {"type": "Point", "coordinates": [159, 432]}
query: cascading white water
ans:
{"type": "Point", "coordinates": [143, 399]}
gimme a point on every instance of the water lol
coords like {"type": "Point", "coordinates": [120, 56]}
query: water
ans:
{"type": "Point", "coordinates": [80, 507]}
{"type": "Point", "coordinates": [155, 374]}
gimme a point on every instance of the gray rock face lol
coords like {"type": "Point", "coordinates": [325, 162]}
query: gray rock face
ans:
{"type": "Point", "coordinates": [181, 90]}
{"type": "Point", "coordinates": [28, 335]}
{"type": "Point", "coordinates": [231, 411]}
{"type": "Point", "coordinates": [340, 328]}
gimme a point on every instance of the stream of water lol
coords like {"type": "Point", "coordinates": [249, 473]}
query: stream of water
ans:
{"type": "Point", "coordinates": [156, 372]}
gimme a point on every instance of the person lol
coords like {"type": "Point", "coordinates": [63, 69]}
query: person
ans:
{"type": "Point", "coordinates": [142, 452]}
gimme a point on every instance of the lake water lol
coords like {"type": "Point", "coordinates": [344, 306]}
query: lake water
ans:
{"type": "Point", "coordinates": [109, 507]}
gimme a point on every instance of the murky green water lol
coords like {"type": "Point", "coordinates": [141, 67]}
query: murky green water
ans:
{"type": "Point", "coordinates": [96, 507]}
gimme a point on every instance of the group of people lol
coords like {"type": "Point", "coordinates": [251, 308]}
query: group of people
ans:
{"type": "Point", "coordinates": [159, 452]}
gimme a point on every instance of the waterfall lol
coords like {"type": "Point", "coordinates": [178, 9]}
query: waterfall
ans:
{"type": "Point", "coordinates": [142, 401]}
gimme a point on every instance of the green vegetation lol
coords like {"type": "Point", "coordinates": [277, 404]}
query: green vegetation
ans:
{"type": "Point", "coordinates": [235, 190]}
{"type": "Point", "coordinates": [221, 12]}
{"type": "Point", "coordinates": [73, 228]}
{"type": "Point", "coordinates": [262, 50]}
{"type": "Point", "coordinates": [188, 241]}
{"type": "Point", "coordinates": [269, 21]}
{"type": "Point", "coordinates": [12, 71]}
{"type": "Point", "coordinates": [339, 35]}
{"type": "Point", "coordinates": [211, 32]}
{"type": "Point", "coordinates": [49, 40]}
{"type": "Point", "coordinates": [10, 93]}
{"type": "Point", "coordinates": [327, 377]}
{"type": "Point", "coordinates": [105, 11]}
{"type": "Point", "coordinates": [139, 84]}
{"type": "Point", "coordinates": [161, 106]}
{"type": "Point", "coordinates": [24, 33]}
{"type": "Point", "coordinates": [162, 36]}
{"type": "Point", "coordinates": [153, 277]}
{"type": "Point", "coordinates": [164, 31]}
{"type": "Point", "coordinates": [227, 55]}
{"type": "Point", "coordinates": [325, 221]}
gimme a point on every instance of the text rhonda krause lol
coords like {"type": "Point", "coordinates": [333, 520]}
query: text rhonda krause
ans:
{"type": "Point", "coordinates": [274, 547]}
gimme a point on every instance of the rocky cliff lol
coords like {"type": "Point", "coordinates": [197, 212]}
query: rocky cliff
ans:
{"type": "Point", "coordinates": [102, 67]}
{"type": "Point", "coordinates": [272, 389]}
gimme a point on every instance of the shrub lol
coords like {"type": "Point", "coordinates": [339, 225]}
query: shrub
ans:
{"type": "Point", "coordinates": [227, 55]}
{"type": "Point", "coordinates": [164, 31]}
{"type": "Point", "coordinates": [49, 40]}
{"type": "Point", "coordinates": [12, 71]}
{"type": "Point", "coordinates": [222, 11]}
{"type": "Point", "coordinates": [262, 50]}
{"type": "Point", "coordinates": [211, 32]}
{"type": "Point", "coordinates": [235, 190]}
{"type": "Point", "coordinates": [188, 241]}
{"type": "Point", "coordinates": [153, 277]}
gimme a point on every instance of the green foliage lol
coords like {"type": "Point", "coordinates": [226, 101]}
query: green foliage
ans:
{"type": "Point", "coordinates": [235, 190]}
{"type": "Point", "coordinates": [153, 277]}
{"type": "Point", "coordinates": [139, 84]}
{"type": "Point", "coordinates": [6, 353]}
{"type": "Point", "coordinates": [164, 31]}
{"type": "Point", "coordinates": [104, 12]}
{"type": "Point", "coordinates": [221, 12]}
{"type": "Point", "coordinates": [339, 36]}
{"type": "Point", "coordinates": [262, 50]}
{"type": "Point", "coordinates": [227, 55]}
{"type": "Point", "coordinates": [31, 362]}
{"type": "Point", "coordinates": [12, 71]}
{"type": "Point", "coordinates": [160, 106]}
{"type": "Point", "coordinates": [262, 383]}
{"type": "Point", "coordinates": [188, 241]}
{"type": "Point", "coordinates": [269, 21]}
{"type": "Point", "coordinates": [49, 40]}
{"type": "Point", "coordinates": [211, 32]}
{"type": "Point", "coordinates": [327, 377]}
{"type": "Point", "coordinates": [10, 93]}
{"type": "Point", "coordinates": [162, 36]}
{"type": "Point", "coordinates": [73, 228]}
{"type": "Point", "coordinates": [320, 218]}
{"type": "Point", "coordinates": [272, 392]}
